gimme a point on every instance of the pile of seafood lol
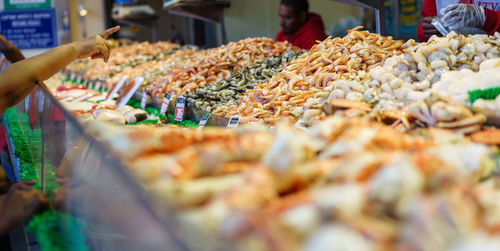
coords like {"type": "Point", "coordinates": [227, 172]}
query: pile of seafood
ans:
{"type": "Point", "coordinates": [421, 69]}
{"type": "Point", "coordinates": [405, 78]}
{"type": "Point", "coordinates": [121, 58]}
{"type": "Point", "coordinates": [153, 69]}
{"type": "Point", "coordinates": [209, 66]}
{"type": "Point", "coordinates": [308, 75]}
{"type": "Point", "coordinates": [227, 91]}
{"type": "Point", "coordinates": [86, 112]}
{"type": "Point", "coordinates": [349, 180]}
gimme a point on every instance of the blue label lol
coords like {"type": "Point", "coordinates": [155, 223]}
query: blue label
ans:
{"type": "Point", "coordinates": [29, 29]}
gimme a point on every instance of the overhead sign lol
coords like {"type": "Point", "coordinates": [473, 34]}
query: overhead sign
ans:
{"type": "Point", "coordinates": [26, 4]}
{"type": "Point", "coordinates": [29, 29]}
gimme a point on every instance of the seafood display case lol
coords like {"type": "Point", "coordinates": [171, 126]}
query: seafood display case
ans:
{"type": "Point", "coordinates": [115, 212]}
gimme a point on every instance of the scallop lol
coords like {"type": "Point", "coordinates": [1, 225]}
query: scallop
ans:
{"type": "Point", "coordinates": [124, 109]}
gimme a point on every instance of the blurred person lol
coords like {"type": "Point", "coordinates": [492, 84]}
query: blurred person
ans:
{"type": "Point", "coordinates": [16, 82]}
{"type": "Point", "coordinates": [299, 26]}
{"type": "Point", "coordinates": [19, 203]}
{"type": "Point", "coordinates": [459, 15]}
{"type": "Point", "coordinates": [10, 51]}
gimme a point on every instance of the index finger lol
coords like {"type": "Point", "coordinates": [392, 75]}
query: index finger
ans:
{"type": "Point", "coordinates": [110, 31]}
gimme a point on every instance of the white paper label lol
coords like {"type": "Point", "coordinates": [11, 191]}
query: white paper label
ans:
{"type": "Point", "coordinates": [234, 121]}
{"type": "Point", "coordinates": [97, 85]}
{"type": "Point", "coordinates": [83, 97]}
{"type": "Point", "coordinates": [127, 96]}
{"type": "Point", "coordinates": [72, 77]}
{"type": "Point", "coordinates": [144, 99]}
{"type": "Point", "coordinates": [203, 121]}
{"type": "Point", "coordinates": [27, 103]}
{"type": "Point", "coordinates": [164, 104]}
{"type": "Point", "coordinates": [116, 88]}
{"type": "Point", "coordinates": [79, 79]}
{"type": "Point", "coordinates": [179, 108]}
{"type": "Point", "coordinates": [41, 101]}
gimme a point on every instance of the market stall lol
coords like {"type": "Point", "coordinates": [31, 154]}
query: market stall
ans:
{"type": "Point", "coordinates": [362, 143]}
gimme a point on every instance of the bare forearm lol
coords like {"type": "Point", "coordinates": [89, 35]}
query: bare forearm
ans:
{"type": "Point", "coordinates": [18, 79]}
{"type": "Point", "coordinates": [45, 65]}
{"type": "Point", "coordinates": [13, 54]}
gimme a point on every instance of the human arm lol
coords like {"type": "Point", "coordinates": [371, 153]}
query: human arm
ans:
{"type": "Point", "coordinates": [10, 51]}
{"type": "Point", "coordinates": [425, 29]}
{"type": "Point", "coordinates": [17, 80]}
{"type": "Point", "coordinates": [18, 204]}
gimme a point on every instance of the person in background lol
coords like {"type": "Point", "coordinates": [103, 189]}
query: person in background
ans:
{"type": "Point", "coordinates": [299, 26]}
{"type": "Point", "coordinates": [16, 82]}
{"type": "Point", "coordinates": [456, 14]}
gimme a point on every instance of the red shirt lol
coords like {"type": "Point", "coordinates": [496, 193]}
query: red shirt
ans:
{"type": "Point", "coordinates": [306, 36]}
{"type": "Point", "coordinates": [491, 24]}
{"type": "Point", "coordinates": [3, 138]}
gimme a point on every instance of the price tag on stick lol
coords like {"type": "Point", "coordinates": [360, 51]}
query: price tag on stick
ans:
{"type": "Point", "coordinates": [129, 91]}
{"type": "Point", "coordinates": [116, 88]}
{"type": "Point", "coordinates": [233, 121]}
{"type": "Point", "coordinates": [164, 104]}
{"type": "Point", "coordinates": [144, 99]}
{"type": "Point", "coordinates": [179, 109]}
{"type": "Point", "coordinates": [97, 85]}
{"type": "Point", "coordinates": [203, 121]}
{"type": "Point", "coordinates": [72, 77]}
{"type": "Point", "coordinates": [79, 79]}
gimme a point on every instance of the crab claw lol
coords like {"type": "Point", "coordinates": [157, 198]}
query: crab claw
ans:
{"type": "Point", "coordinates": [420, 111]}
{"type": "Point", "coordinates": [446, 112]}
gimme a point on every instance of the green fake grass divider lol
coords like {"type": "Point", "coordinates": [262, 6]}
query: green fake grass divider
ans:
{"type": "Point", "coordinates": [156, 112]}
{"type": "Point", "coordinates": [55, 230]}
{"type": "Point", "coordinates": [488, 94]}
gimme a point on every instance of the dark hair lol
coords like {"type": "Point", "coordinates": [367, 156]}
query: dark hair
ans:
{"type": "Point", "coordinates": [298, 5]}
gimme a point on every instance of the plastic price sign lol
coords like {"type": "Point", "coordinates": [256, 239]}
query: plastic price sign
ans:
{"type": "Point", "coordinates": [203, 121]}
{"type": "Point", "coordinates": [144, 99]}
{"type": "Point", "coordinates": [116, 88]}
{"type": "Point", "coordinates": [233, 121]}
{"type": "Point", "coordinates": [179, 109]}
{"type": "Point", "coordinates": [164, 104]}
{"type": "Point", "coordinates": [97, 86]}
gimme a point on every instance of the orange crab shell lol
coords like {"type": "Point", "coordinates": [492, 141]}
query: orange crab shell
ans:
{"type": "Point", "coordinates": [489, 136]}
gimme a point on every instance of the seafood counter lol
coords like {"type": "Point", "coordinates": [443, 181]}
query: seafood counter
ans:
{"type": "Point", "coordinates": [347, 181]}
{"type": "Point", "coordinates": [362, 143]}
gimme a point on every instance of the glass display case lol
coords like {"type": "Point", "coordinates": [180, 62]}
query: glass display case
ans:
{"type": "Point", "coordinates": [116, 212]}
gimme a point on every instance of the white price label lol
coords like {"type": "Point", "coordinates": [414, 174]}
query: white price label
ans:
{"type": "Point", "coordinates": [72, 77]}
{"type": "Point", "coordinates": [179, 108]}
{"type": "Point", "coordinates": [86, 83]}
{"type": "Point", "coordinates": [83, 97]}
{"type": "Point", "coordinates": [144, 99]}
{"type": "Point", "coordinates": [41, 101]}
{"type": "Point", "coordinates": [129, 91]}
{"type": "Point", "coordinates": [203, 121]}
{"type": "Point", "coordinates": [234, 121]}
{"type": "Point", "coordinates": [116, 88]}
{"type": "Point", "coordinates": [79, 79]}
{"type": "Point", "coordinates": [164, 104]}
{"type": "Point", "coordinates": [27, 103]}
{"type": "Point", "coordinates": [97, 85]}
